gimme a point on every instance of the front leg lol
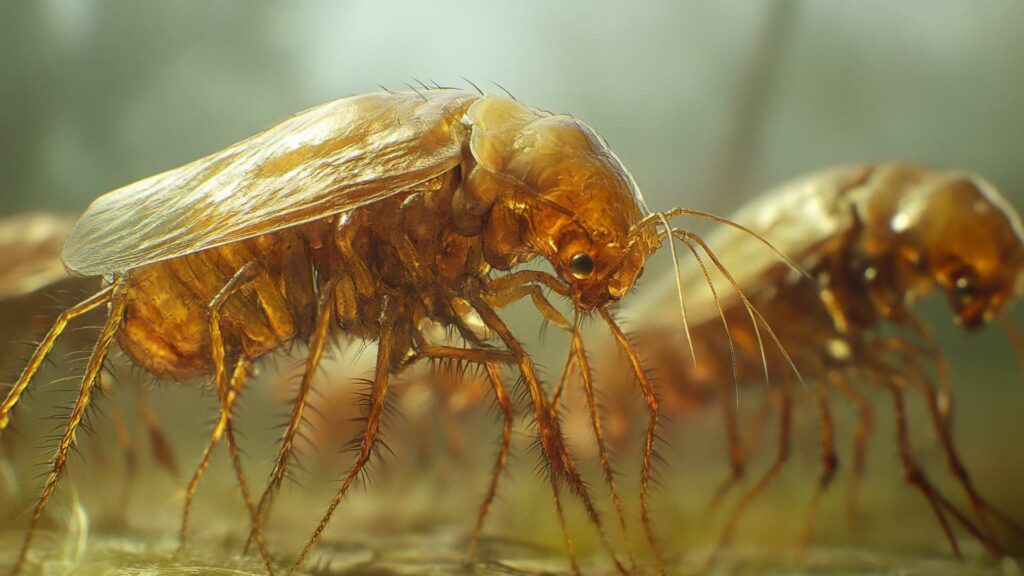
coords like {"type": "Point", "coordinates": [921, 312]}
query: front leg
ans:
{"type": "Point", "coordinates": [560, 462]}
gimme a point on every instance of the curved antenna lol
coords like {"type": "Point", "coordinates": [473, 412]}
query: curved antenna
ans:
{"type": "Point", "coordinates": [709, 216]}
{"type": "Point", "coordinates": [721, 314]}
{"type": "Point", "coordinates": [1016, 337]}
{"type": "Point", "coordinates": [679, 291]}
{"type": "Point", "coordinates": [742, 295]}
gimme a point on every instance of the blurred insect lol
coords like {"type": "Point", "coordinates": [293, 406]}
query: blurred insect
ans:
{"type": "Point", "coordinates": [877, 238]}
{"type": "Point", "coordinates": [369, 215]}
{"type": "Point", "coordinates": [33, 280]}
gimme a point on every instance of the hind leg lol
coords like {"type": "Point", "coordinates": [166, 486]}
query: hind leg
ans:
{"type": "Point", "coordinates": [118, 302]}
{"type": "Point", "coordinates": [39, 356]}
{"type": "Point", "coordinates": [317, 345]}
{"type": "Point", "coordinates": [829, 463]}
{"type": "Point", "coordinates": [371, 430]}
{"type": "Point", "coordinates": [785, 442]}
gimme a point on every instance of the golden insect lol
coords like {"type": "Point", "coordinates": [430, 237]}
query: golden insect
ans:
{"type": "Point", "coordinates": [877, 238]}
{"type": "Point", "coordinates": [373, 215]}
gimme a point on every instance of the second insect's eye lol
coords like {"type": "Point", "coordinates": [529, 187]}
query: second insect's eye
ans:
{"type": "Point", "coordinates": [581, 265]}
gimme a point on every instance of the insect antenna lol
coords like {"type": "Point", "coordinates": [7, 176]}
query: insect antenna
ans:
{"type": "Point", "coordinates": [721, 313]}
{"type": "Point", "coordinates": [668, 214]}
{"type": "Point", "coordinates": [679, 291]}
{"type": "Point", "coordinates": [739, 291]}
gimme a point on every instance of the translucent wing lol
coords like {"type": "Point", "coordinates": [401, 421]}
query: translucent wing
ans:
{"type": "Point", "coordinates": [327, 160]}
{"type": "Point", "coordinates": [30, 247]}
{"type": "Point", "coordinates": [798, 218]}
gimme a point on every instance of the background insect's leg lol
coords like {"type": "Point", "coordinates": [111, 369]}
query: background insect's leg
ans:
{"type": "Point", "coordinates": [560, 461]}
{"type": "Point", "coordinates": [595, 420]}
{"type": "Point", "coordinates": [942, 423]}
{"type": "Point", "coordinates": [737, 460]}
{"type": "Point", "coordinates": [371, 430]}
{"type": "Point", "coordinates": [118, 302]}
{"type": "Point", "coordinates": [649, 456]}
{"type": "Point", "coordinates": [131, 459]}
{"type": "Point", "coordinates": [94, 301]}
{"type": "Point", "coordinates": [865, 423]}
{"type": "Point", "coordinates": [785, 442]}
{"type": "Point", "coordinates": [915, 476]}
{"type": "Point", "coordinates": [159, 445]}
{"type": "Point", "coordinates": [508, 412]}
{"type": "Point", "coordinates": [317, 344]}
{"type": "Point", "coordinates": [829, 464]}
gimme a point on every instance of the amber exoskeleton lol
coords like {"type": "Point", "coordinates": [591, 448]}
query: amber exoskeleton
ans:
{"type": "Point", "coordinates": [876, 239]}
{"type": "Point", "coordinates": [375, 215]}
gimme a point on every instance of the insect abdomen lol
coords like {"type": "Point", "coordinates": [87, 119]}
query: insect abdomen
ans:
{"type": "Point", "coordinates": [166, 328]}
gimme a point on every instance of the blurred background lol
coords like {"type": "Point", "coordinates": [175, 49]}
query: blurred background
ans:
{"type": "Point", "coordinates": [707, 103]}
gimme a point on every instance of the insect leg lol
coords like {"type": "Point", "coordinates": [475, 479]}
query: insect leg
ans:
{"type": "Point", "coordinates": [118, 302]}
{"type": "Point", "coordinates": [223, 420]}
{"type": "Point", "coordinates": [595, 420]}
{"type": "Point", "coordinates": [159, 445]}
{"type": "Point", "coordinates": [548, 428]}
{"type": "Point", "coordinates": [829, 463]}
{"type": "Point", "coordinates": [317, 345]}
{"type": "Point", "coordinates": [39, 356]}
{"type": "Point", "coordinates": [247, 273]}
{"type": "Point", "coordinates": [785, 442]}
{"type": "Point", "coordinates": [915, 476]}
{"type": "Point", "coordinates": [371, 431]}
{"type": "Point", "coordinates": [938, 409]}
{"type": "Point", "coordinates": [649, 434]}
{"type": "Point", "coordinates": [865, 423]}
{"type": "Point", "coordinates": [508, 412]}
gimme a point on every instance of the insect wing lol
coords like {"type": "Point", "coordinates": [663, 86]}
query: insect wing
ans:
{"type": "Point", "coordinates": [324, 161]}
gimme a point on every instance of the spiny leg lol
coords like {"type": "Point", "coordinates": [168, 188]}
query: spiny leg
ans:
{"type": "Point", "coordinates": [218, 352]}
{"type": "Point", "coordinates": [595, 420]}
{"type": "Point", "coordinates": [508, 413]}
{"type": "Point", "coordinates": [316, 351]}
{"type": "Point", "coordinates": [829, 463]}
{"type": "Point", "coordinates": [570, 549]}
{"type": "Point", "coordinates": [865, 423]}
{"type": "Point", "coordinates": [223, 420]}
{"type": "Point", "coordinates": [577, 356]}
{"type": "Point", "coordinates": [220, 380]}
{"type": "Point", "coordinates": [549, 430]}
{"type": "Point", "coordinates": [39, 356]}
{"type": "Point", "coordinates": [118, 302]}
{"type": "Point", "coordinates": [371, 431]}
{"type": "Point", "coordinates": [785, 425]}
{"type": "Point", "coordinates": [647, 463]}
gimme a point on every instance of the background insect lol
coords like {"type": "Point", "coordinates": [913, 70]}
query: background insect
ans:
{"type": "Point", "coordinates": [876, 238]}
{"type": "Point", "coordinates": [370, 215]}
{"type": "Point", "coordinates": [34, 285]}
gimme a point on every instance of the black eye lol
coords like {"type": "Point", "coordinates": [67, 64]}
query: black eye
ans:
{"type": "Point", "coordinates": [965, 288]}
{"type": "Point", "coordinates": [581, 266]}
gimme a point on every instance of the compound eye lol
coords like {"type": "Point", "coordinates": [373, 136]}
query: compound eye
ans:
{"type": "Point", "coordinates": [582, 266]}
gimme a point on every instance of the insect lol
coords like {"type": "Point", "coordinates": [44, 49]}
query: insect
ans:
{"type": "Point", "coordinates": [372, 215]}
{"type": "Point", "coordinates": [877, 238]}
